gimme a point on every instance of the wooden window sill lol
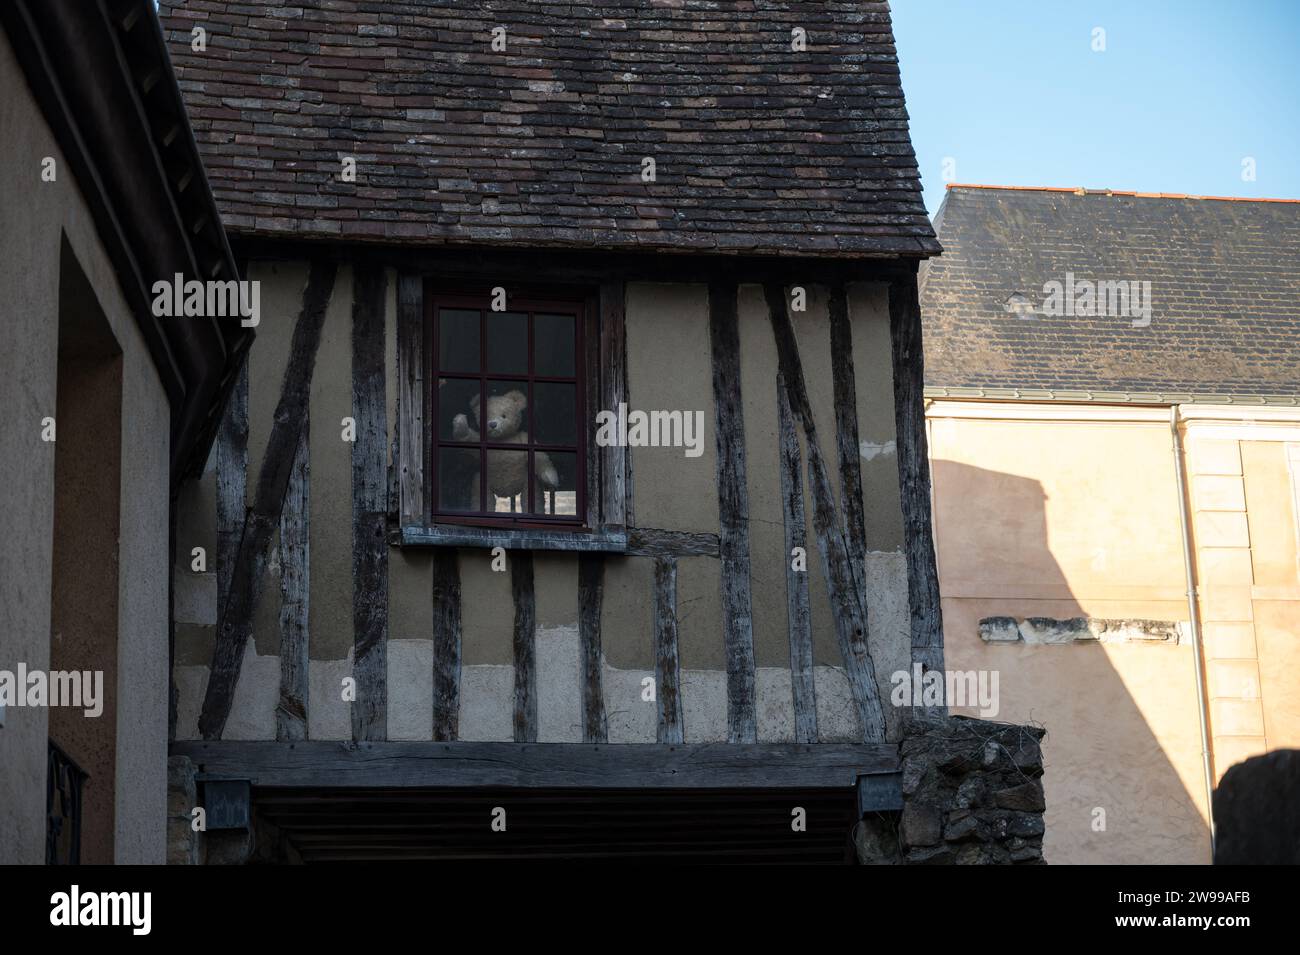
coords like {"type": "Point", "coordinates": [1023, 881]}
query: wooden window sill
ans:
{"type": "Point", "coordinates": [463, 535]}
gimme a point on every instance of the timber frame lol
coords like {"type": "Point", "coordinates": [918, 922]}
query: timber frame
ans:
{"type": "Point", "coordinates": [398, 493]}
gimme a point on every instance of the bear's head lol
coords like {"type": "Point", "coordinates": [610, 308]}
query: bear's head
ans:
{"type": "Point", "coordinates": [505, 415]}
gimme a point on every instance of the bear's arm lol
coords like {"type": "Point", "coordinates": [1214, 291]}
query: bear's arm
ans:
{"type": "Point", "coordinates": [460, 429]}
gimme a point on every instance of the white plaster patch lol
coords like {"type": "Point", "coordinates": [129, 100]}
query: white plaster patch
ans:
{"type": "Point", "coordinates": [559, 687]}
{"type": "Point", "coordinates": [704, 706]}
{"type": "Point", "coordinates": [257, 693]}
{"type": "Point", "coordinates": [195, 597]}
{"type": "Point", "coordinates": [889, 625]}
{"type": "Point", "coordinates": [774, 697]}
{"type": "Point", "coordinates": [837, 714]}
{"type": "Point", "coordinates": [328, 717]}
{"type": "Point", "coordinates": [487, 703]}
{"type": "Point", "coordinates": [191, 684]}
{"type": "Point", "coordinates": [870, 450]}
{"type": "Point", "coordinates": [629, 718]}
{"type": "Point", "coordinates": [410, 689]}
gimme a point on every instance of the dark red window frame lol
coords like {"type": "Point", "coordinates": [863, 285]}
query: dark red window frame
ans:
{"type": "Point", "coordinates": [580, 307]}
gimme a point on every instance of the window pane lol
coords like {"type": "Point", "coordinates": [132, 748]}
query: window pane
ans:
{"type": "Point", "coordinates": [556, 413]}
{"type": "Point", "coordinates": [457, 399]}
{"type": "Point", "coordinates": [557, 483]}
{"type": "Point", "coordinates": [506, 418]}
{"type": "Point", "coordinates": [554, 345]}
{"type": "Point", "coordinates": [508, 481]}
{"type": "Point", "coordinates": [458, 339]}
{"type": "Point", "coordinates": [458, 479]}
{"type": "Point", "coordinates": [507, 343]}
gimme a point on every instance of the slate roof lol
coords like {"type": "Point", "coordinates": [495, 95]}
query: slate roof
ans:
{"type": "Point", "coordinates": [1224, 294]}
{"type": "Point", "coordinates": [758, 149]}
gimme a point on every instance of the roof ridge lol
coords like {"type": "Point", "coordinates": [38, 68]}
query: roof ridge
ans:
{"type": "Point", "coordinates": [1080, 191]}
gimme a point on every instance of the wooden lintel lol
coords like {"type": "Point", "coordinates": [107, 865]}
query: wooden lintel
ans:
{"type": "Point", "coordinates": [341, 764]}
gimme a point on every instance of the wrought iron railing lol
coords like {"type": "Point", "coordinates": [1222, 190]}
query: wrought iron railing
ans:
{"type": "Point", "coordinates": [64, 782]}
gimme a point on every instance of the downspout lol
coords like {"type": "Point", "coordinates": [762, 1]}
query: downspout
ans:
{"type": "Point", "coordinates": [1193, 613]}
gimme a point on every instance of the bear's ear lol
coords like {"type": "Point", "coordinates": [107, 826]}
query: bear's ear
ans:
{"type": "Point", "coordinates": [517, 399]}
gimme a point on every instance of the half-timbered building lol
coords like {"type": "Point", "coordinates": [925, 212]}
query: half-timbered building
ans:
{"type": "Point", "coordinates": [581, 450]}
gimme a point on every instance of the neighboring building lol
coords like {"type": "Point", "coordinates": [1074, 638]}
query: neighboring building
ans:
{"type": "Point", "coordinates": [680, 209]}
{"type": "Point", "coordinates": [106, 409]}
{"type": "Point", "coordinates": [1060, 518]}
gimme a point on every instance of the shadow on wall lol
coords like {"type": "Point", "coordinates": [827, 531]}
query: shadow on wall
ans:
{"type": "Point", "coordinates": [1123, 776]}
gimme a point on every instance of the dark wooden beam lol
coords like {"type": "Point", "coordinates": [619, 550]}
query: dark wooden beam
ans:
{"type": "Point", "coordinates": [591, 591]}
{"type": "Point", "coordinates": [844, 384]}
{"type": "Point", "coordinates": [369, 505]}
{"type": "Point", "coordinates": [264, 514]}
{"type": "Point", "coordinates": [802, 683]}
{"type": "Point", "coordinates": [668, 675]}
{"type": "Point", "coordinates": [914, 477]}
{"type": "Point", "coordinates": [733, 513]}
{"type": "Point", "coordinates": [848, 604]}
{"type": "Point", "coordinates": [322, 763]}
{"type": "Point", "coordinates": [614, 459]}
{"type": "Point", "coordinates": [652, 542]}
{"type": "Point", "coordinates": [446, 644]}
{"type": "Point", "coordinates": [410, 398]}
{"type": "Point", "coordinates": [295, 589]}
{"type": "Point", "coordinates": [525, 642]}
{"type": "Point", "coordinates": [232, 486]}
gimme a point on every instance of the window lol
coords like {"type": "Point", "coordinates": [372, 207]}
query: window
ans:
{"type": "Point", "coordinates": [507, 435]}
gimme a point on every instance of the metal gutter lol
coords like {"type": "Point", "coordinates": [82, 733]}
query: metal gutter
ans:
{"type": "Point", "coordinates": [1193, 611]}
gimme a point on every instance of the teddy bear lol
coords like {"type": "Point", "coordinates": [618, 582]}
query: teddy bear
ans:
{"type": "Point", "coordinates": [507, 471]}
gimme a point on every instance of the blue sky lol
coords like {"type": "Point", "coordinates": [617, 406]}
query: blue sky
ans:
{"type": "Point", "coordinates": [1013, 93]}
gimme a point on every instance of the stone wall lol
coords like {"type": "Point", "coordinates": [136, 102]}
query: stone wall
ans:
{"type": "Point", "coordinates": [184, 845]}
{"type": "Point", "coordinates": [972, 795]}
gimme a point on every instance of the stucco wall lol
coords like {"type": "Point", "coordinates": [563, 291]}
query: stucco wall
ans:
{"type": "Point", "coordinates": [1059, 512]}
{"type": "Point", "coordinates": [37, 217]}
{"type": "Point", "coordinates": [668, 369]}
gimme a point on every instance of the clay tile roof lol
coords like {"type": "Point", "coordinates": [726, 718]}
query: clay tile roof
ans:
{"type": "Point", "coordinates": [1224, 275]}
{"type": "Point", "coordinates": [757, 148]}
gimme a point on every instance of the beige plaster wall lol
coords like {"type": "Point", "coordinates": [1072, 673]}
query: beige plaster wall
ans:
{"type": "Point", "coordinates": [1063, 512]}
{"type": "Point", "coordinates": [1067, 518]}
{"type": "Point", "coordinates": [37, 216]}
